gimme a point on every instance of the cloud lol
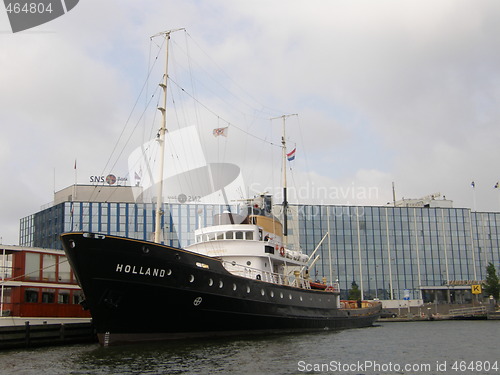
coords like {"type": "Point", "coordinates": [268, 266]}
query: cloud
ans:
{"type": "Point", "coordinates": [385, 91]}
{"type": "Point", "coordinates": [58, 105]}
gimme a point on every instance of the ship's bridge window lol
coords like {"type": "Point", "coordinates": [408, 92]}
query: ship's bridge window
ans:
{"type": "Point", "coordinates": [220, 236]}
{"type": "Point", "coordinates": [229, 235]}
{"type": "Point", "coordinates": [239, 235]}
{"type": "Point", "coordinates": [249, 235]}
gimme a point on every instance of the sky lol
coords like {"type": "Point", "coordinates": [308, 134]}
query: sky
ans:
{"type": "Point", "coordinates": [385, 91]}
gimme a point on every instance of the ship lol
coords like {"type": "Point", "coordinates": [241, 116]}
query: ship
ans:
{"type": "Point", "coordinates": [240, 275]}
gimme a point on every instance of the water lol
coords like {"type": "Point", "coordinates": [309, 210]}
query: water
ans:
{"type": "Point", "coordinates": [426, 347]}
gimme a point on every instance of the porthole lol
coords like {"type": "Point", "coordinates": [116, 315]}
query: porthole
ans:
{"type": "Point", "coordinates": [290, 296]}
{"type": "Point", "coordinates": [271, 293]}
{"type": "Point", "coordinates": [210, 282]}
{"type": "Point", "coordinates": [281, 295]}
{"type": "Point", "coordinates": [234, 286]}
{"type": "Point", "coordinates": [145, 249]}
{"type": "Point", "coordinates": [249, 263]}
{"type": "Point", "coordinates": [300, 298]}
{"type": "Point", "coordinates": [262, 292]}
{"type": "Point", "coordinates": [248, 289]}
{"type": "Point", "coordinates": [191, 278]}
{"type": "Point", "coordinates": [72, 244]}
{"type": "Point", "coordinates": [221, 284]}
{"type": "Point", "coordinates": [320, 300]}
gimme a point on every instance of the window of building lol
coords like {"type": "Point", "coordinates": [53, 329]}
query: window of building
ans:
{"type": "Point", "coordinates": [31, 295]}
{"type": "Point", "coordinates": [49, 267]}
{"type": "Point", "coordinates": [64, 270]}
{"type": "Point", "coordinates": [7, 295]}
{"type": "Point", "coordinates": [48, 295]}
{"type": "Point", "coordinates": [63, 296]}
{"type": "Point", "coordinates": [32, 269]}
{"type": "Point", "coordinates": [77, 297]}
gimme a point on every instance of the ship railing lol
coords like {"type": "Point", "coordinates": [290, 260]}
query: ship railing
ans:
{"type": "Point", "coordinates": [300, 282]}
{"type": "Point", "coordinates": [270, 277]}
{"type": "Point", "coordinates": [349, 304]}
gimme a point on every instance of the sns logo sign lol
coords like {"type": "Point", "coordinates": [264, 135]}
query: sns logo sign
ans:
{"type": "Point", "coordinates": [25, 14]}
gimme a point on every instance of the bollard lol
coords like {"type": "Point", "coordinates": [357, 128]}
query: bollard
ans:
{"type": "Point", "coordinates": [27, 334]}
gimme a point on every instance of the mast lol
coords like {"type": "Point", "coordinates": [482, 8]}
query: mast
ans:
{"type": "Point", "coordinates": [285, 201]}
{"type": "Point", "coordinates": [161, 138]}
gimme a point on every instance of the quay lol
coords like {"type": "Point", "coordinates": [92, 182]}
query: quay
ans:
{"type": "Point", "coordinates": [34, 335]}
{"type": "Point", "coordinates": [428, 312]}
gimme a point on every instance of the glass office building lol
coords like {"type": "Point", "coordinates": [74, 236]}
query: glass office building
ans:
{"type": "Point", "coordinates": [398, 252]}
{"type": "Point", "coordinates": [429, 253]}
{"type": "Point", "coordinates": [133, 220]}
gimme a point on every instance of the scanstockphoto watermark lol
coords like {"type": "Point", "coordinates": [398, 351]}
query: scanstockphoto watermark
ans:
{"type": "Point", "coordinates": [369, 366]}
{"type": "Point", "coordinates": [26, 14]}
{"type": "Point", "coordinates": [310, 192]}
{"type": "Point", "coordinates": [362, 366]}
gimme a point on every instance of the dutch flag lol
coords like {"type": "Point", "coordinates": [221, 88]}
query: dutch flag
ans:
{"type": "Point", "coordinates": [291, 155]}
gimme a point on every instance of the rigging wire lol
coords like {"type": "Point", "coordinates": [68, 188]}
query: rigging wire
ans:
{"type": "Point", "coordinates": [191, 78]}
{"type": "Point", "coordinates": [196, 103]}
{"type": "Point", "coordinates": [98, 188]}
{"type": "Point", "coordinates": [270, 111]}
{"type": "Point", "coordinates": [221, 118]}
{"type": "Point", "coordinates": [37, 271]}
{"type": "Point", "coordinates": [304, 153]}
{"type": "Point", "coordinates": [130, 116]}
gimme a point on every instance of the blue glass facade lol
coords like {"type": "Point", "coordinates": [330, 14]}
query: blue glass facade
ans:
{"type": "Point", "coordinates": [386, 251]}
{"type": "Point", "coordinates": [133, 220]}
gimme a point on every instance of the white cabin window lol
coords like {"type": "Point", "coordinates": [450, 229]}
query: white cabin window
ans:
{"type": "Point", "coordinates": [220, 236]}
{"type": "Point", "coordinates": [249, 235]}
{"type": "Point", "coordinates": [229, 235]}
{"type": "Point", "coordinates": [239, 235]}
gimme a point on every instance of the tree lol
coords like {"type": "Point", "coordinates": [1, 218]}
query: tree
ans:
{"type": "Point", "coordinates": [354, 292]}
{"type": "Point", "coordinates": [491, 285]}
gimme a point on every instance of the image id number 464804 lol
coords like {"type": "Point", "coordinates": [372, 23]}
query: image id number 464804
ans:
{"type": "Point", "coordinates": [31, 8]}
{"type": "Point", "coordinates": [473, 366]}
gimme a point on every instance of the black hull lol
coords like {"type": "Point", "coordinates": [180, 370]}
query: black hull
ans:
{"type": "Point", "coordinates": [139, 291]}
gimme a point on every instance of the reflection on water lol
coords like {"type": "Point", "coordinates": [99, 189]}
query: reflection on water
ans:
{"type": "Point", "coordinates": [413, 343]}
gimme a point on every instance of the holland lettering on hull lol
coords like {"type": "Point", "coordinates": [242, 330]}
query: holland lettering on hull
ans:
{"type": "Point", "coordinates": [139, 270]}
